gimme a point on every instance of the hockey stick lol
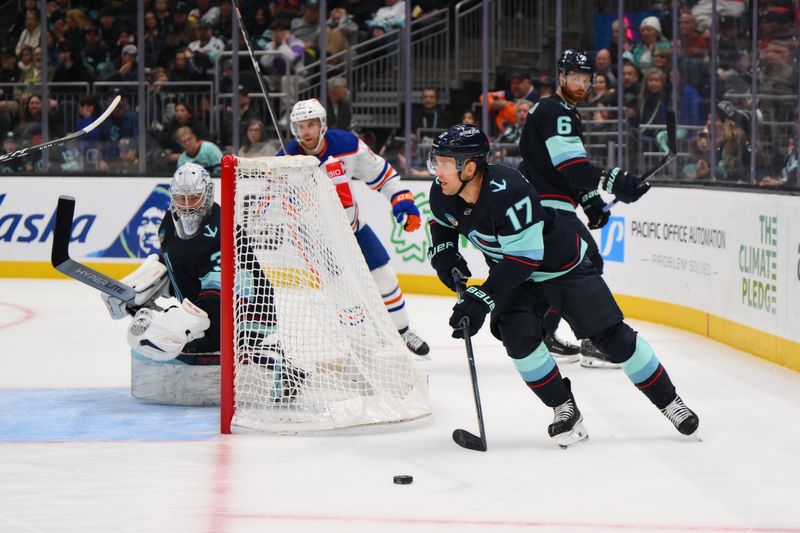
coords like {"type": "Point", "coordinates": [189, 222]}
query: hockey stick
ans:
{"type": "Point", "coordinates": [63, 263]}
{"type": "Point", "coordinates": [258, 73]}
{"type": "Point", "coordinates": [672, 146]}
{"type": "Point", "coordinates": [462, 437]}
{"type": "Point", "coordinates": [71, 137]}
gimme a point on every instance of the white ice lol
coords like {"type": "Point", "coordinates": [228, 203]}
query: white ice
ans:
{"type": "Point", "coordinates": [61, 357]}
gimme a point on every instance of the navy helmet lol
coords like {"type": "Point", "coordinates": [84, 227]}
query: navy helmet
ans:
{"type": "Point", "coordinates": [463, 143]}
{"type": "Point", "coordinates": [575, 61]}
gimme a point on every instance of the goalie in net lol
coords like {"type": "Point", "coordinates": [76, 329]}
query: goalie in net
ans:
{"type": "Point", "coordinates": [174, 334]}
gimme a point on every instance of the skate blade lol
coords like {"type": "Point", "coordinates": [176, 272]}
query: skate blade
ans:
{"type": "Point", "coordinates": [566, 359]}
{"type": "Point", "coordinates": [593, 362]}
{"type": "Point", "coordinates": [578, 433]}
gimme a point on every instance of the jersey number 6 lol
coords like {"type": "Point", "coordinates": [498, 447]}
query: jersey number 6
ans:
{"type": "Point", "coordinates": [525, 204]}
{"type": "Point", "coordinates": [564, 125]}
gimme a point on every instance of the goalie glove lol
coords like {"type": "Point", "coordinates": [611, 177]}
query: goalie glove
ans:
{"type": "Point", "coordinates": [161, 333]}
{"type": "Point", "coordinates": [149, 281]}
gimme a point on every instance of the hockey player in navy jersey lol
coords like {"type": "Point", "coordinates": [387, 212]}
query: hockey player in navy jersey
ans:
{"type": "Point", "coordinates": [344, 157]}
{"type": "Point", "coordinates": [175, 332]}
{"type": "Point", "coordinates": [555, 161]}
{"type": "Point", "coordinates": [536, 258]}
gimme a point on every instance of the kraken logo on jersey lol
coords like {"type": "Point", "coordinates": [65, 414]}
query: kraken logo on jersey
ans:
{"type": "Point", "coordinates": [139, 237]}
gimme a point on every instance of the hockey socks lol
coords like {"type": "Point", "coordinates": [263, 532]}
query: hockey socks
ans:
{"type": "Point", "coordinates": [647, 373]}
{"type": "Point", "coordinates": [542, 376]}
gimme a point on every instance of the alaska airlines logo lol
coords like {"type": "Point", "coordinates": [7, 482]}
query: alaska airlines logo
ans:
{"type": "Point", "coordinates": [139, 237]}
{"type": "Point", "coordinates": [37, 227]}
{"type": "Point", "coordinates": [612, 240]}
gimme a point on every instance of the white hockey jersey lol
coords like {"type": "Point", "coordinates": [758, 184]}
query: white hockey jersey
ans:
{"type": "Point", "coordinates": [359, 162]}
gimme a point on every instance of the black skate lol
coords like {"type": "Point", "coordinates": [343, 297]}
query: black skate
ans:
{"type": "Point", "coordinates": [415, 343]}
{"type": "Point", "coordinates": [567, 427]}
{"type": "Point", "coordinates": [289, 379]}
{"type": "Point", "coordinates": [592, 357]}
{"type": "Point", "coordinates": [563, 350]}
{"type": "Point", "coordinates": [684, 419]}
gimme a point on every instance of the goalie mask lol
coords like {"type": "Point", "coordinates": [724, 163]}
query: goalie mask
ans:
{"type": "Point", "coordinates": [307, 110]}
{"type": "Point", "coordinates": [192, 195]}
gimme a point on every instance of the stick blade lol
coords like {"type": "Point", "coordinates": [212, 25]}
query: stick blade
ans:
{"type": "Point", "coordinates": [672, 141]}
{"type": "Point", "coordinates": [467, 440]}
{"type": "Point", "coordinates": [65, 210]}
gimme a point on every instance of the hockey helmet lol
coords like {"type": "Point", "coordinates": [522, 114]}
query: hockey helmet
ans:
{"type": "Point", "coordinates": [192, 195]}
{"type": "Point", "coordinates": [575, 61]}
{"type": "Point", "coordinates": [463, 143]}
{"type": "Point", "coordinates": [308, 109]}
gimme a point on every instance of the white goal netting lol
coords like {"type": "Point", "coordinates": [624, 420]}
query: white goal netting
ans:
{"type": "Point", "coordinates": [314, 346]}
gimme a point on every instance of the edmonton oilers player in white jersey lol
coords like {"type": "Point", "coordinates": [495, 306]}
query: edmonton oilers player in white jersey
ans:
{"type": "Point", "coordinates": [344, 157]}
{"type": "Point", "coordinates": [536, 258]}
{"type": "Point", "coordinates": [556, 164]}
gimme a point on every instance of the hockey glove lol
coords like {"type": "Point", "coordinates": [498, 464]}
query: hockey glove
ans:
{"type": "Point", "coordinates": [474, 305]}
{"type": "Point", "coordinates": [624, 185]}
{"type": "Point", "coordinates": [160, 334]}
{"type": "Point", "coordinates": [445, 258]}
{"type": "Point", "coordinates": [149, 281]}
{"type": "Point", "coordinates": [593, 205]}
{"type": "Point", "coordinates": [403, 207]}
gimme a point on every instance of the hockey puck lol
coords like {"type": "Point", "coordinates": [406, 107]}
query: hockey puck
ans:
{"type": "Point", "coordinates": [403, 480]}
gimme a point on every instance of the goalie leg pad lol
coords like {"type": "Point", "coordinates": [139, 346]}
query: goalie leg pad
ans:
{"type": "Point", "coordinates": [161, 334]}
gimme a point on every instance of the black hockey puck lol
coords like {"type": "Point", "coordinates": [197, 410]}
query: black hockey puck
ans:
{"type": "Point", "coordinates": [403, 480]}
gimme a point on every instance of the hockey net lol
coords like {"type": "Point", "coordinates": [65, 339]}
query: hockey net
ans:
{"type": "Point", "coordinates": [307, 343]}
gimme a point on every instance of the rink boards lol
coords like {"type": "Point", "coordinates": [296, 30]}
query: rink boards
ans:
{"type": "Point", "coordinates": [719, 263]}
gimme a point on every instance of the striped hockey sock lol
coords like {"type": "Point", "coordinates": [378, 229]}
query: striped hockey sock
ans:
{"type": "Point", "coordinates": [649, 375]}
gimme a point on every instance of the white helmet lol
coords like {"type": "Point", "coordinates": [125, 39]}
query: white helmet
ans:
{"type": "Point", "coordinates": [308, 109]}
{"type": "Point", "coordinates": [192, 187]}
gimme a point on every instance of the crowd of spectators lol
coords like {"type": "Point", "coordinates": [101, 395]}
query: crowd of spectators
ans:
{"type": "Point", "coordinates": [92, 44]}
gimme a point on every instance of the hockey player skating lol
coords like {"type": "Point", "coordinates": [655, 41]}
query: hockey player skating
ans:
{"type": "Point", "coordinates": [554, 160]}
{"type": "Point", "coordinates": [344, 157]}
{"type": "Point", "coordinates": [175, 333]}
{"type": "Point", "coordinates": [536, 258]}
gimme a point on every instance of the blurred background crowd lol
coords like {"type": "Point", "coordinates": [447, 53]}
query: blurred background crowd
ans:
{"type": "Point", "coordinates": [62, 61]}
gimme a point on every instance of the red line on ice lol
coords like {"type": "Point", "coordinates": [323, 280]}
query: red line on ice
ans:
{"type": "Point", "coordinates": [27, 314]}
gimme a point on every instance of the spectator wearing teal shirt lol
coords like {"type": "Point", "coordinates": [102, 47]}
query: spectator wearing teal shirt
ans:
{"type": "Point", "coordinates": [204, 153]}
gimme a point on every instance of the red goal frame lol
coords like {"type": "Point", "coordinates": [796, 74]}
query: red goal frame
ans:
{"type": "Point", "coordinates": [227, 190]}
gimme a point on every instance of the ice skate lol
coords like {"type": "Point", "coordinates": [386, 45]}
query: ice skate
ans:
{"type": "Point", "coordinates": [592, 357]}
{"type": "Point", "coordinates": [415, 343]}
{"type": "Point", "coordinates": [684, 419]}
{"type": "Point", "coordinates": [567, 427]}
{"type": "Point", "coordinates": [563, 350]}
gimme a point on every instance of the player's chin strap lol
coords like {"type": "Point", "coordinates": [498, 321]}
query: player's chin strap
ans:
{"type": "Point", "coordinates": [465, 182]}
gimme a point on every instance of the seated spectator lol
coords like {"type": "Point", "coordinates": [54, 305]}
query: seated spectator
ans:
{"type": "Point", "coordinates": [651, 36]}
{"type": "Point", "coordinates": [126, 68]}
{"type": "Point", "coordinates": [469, 118]}
{"type": "Point", "coordinates": [207, 47]}
{"type": "Point", "coordinates": [545, 86]}
{"type": "Point", "coordinates": [184, 68]}
{"type": "Point", "coordinates": [306, 27]}
{"type": "Point", "coordinates": [33, 75]}
{"type": "Point", "coordinates": [393, 13]}
{"type": "Point", "coordinates": [521, 87]}
{"type": "Point", "coordinates": [25, 62]}
{"type": "Point", "coordinates": [258, 22]}
{"type": "Point", "coordinates": [502, 109]}
{"type": "Point", "coordinates": [94, 51]}
{"type": "Point", "coordinates": [154, 39]}
{"type": "Point", "coordinates": [247, 113]}
{"type": "Point", "coordinates": [730, 9]}
{"type": "Point", "coordinates": [293, 8]}
{"type": "Point", "coordinates": [602, 90]}
{"type": "Point", "coordinates": [256, 143]}
{"type": "Point", "coordinates": [512, 134]}
{"type": "Point", "coordinates": [160, 99]}
{"type": "Point", "coordinates": [344, 22]}
{"type": "Point", "coordinates": [630, 87]}
{"type": "Point", "coordinates": [430, 115]}
{"type": "Point", "coordinates": [627, 44]}
{"type": "Point", "coordinates": [204, 153]}
{"type": "Point", "coordinates": [733, 151]}
{"type": "Point", "coordinates": [181, 24]}
{"type": "Point", "coordinates": [692, 41]}
{"type": "Point", "coordinates": [10, 145]}
{"type": "Point", "coordinates": [69, 69]}
{"type": "Point", "coordinates": [30, 123]}
{"type": "Point", "coordinates": [222, 28]}
{"type": "Point", "coordinates": [603, 65]}
{"type": "Point", "coordinates": [128, 162]}
{"type": "Point", "coordinates": [653, 103]}
{"type": "Point", "coordinates": [162, 12]}
{"type": "Point", "coordinates": [362, 10]}
{"type": "Point", "coordinates": [662, 60]}
{"type": "Point", "coordinates": [205, 12]}
{"type": "Point", "coordinates": [109, 30]}
{"type": "Point", "coordinates": [9, 72]}
{"type": "Point", "coordinates": [696, 166]}
{"type": "Point", "coordinates": [31, 35]}
{"type": "Point", "coordinates": [183, 116]}
{"type": "Point", "coordinates": [339, 108]}
{"type": "Point", "coordinates": [290, 51]}
{"type": "Point", "coordinates": [121, 123]}
{"type": "Point", "coordinates": [88, 111]}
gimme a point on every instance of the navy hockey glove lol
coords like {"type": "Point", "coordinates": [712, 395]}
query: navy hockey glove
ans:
{"type": "Point", "coordinates": [405, 211]}
{"type": "Point", "coordinates": [624, 185]}
{"type": "Point", "coordinates": [445, 258]}
{"type": "Point", "coordinates": [593, 205]}
{"type": "Point", "coordinates": [474, 305]}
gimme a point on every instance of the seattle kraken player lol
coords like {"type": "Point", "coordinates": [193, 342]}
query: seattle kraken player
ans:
{"type": "Point", "coordinates": [555, 162]}
{"type": "Point", "coordinates": [345, 157]}
{"type": "Point", "coordinates": [176, 337]}
{"type": "Point", "coordinates": [535, 258]}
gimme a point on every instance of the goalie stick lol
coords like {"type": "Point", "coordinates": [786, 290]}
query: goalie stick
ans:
{"type": "Point", "coordinates": [71, 137]}
{"type": "Point", "coordinates": [462, 437]}
{"type": "Point", "coordinates": [63, 263]}
{"type": "Point", "coordinates": [671, 154]}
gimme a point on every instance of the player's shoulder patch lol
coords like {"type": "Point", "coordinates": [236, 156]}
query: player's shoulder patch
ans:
{"type": "Point", "coordinates": [340, 142]}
